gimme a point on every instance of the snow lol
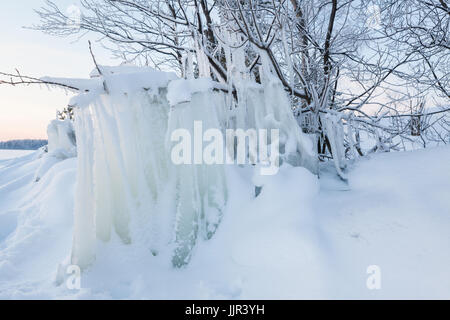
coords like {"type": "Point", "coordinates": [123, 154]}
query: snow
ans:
{"type": "Point", "coordinates": [118, 79]}
{"type": "Point", "coordinates": [13, 153]}
{"type": "Point", "coordinates": [181, 90]}
{"type": "Point", "coordinates": [394, 214]}
{"type": "Point", "coordinates": [302, 237]}
{"type": "Point", "coordinates": [132, 82]}
{"type": "Point", "coordinates": [35, 221]}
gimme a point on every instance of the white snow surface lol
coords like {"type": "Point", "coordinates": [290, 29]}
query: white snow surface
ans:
{"type": "Point", "coordinates": [181, 90]}
{"type": "Point", "coordinates": [12, 153]}
{"type": "Point", "coordinates": [302, 237]}
{"type": "Point", "coordinates": [118, 79]}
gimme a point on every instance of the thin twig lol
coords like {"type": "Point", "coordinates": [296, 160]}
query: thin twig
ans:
{"type": "Point", "coordinates": [31, 80]}
{"type": "Point", "coordinates": [93, 58]}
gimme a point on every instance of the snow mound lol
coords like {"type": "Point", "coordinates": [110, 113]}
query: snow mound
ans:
{"type": "Point", "coordinates": [35, 225]}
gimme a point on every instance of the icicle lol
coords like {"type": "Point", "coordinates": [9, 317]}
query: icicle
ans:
{"type": "Point", "coordinates": [201, 192]}
{"type": "Point", "coordinates": [204, 69]}
{"type": "Point", "coordinates": [334, 135]}
{"type": "Point", "coordinates": [288, 59]}
{"type": "Point", "coordinates": [83, 251]}
{"type": "Point", "coordinates": [189, 66]}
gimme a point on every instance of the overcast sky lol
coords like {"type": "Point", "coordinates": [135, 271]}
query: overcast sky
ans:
{"type": "Point", "coordinates": [26, 110]}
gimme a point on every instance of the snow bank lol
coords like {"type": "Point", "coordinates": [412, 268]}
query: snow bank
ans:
{"type": "Point", "coordinates": [394, 214]}
{"type": "Point", "coordinates": [35, 224]}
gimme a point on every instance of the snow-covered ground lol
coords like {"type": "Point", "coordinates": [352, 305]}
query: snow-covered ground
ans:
{"type": "Point", "coordinates": [302, 237]}
{"type": "Point", "coordinates": [8, 154]}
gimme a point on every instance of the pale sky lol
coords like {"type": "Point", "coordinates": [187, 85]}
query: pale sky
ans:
{"type": "Point", "coordinates": [25, 111]}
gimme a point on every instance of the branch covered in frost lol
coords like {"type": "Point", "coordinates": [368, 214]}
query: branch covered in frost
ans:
{"type": "Point", "coordinates": [18, 79]}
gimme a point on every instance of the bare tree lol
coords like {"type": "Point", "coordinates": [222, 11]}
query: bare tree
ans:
{"type": "Point", "coordinates": [345, 74]}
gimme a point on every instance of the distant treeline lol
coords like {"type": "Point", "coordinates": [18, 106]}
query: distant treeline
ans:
{"type": "Point", "coordinates": [26, 144]}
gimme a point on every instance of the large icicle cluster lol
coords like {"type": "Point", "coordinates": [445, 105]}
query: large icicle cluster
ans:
{"type": "Point", "coordinates": [123, 173]}
{"type": "Point", "coordinates": [201, 188]}
{"type": "Point", "coordinates": [127, 184]}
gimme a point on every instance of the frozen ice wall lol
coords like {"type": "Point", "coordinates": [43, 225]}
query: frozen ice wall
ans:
{"type": "Point", "coordinates": [127, 185]}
